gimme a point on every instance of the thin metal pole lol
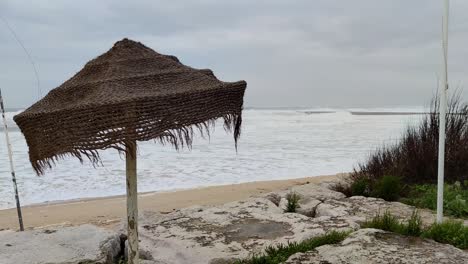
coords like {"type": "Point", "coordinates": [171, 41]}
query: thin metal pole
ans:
{"type": "Point", "coordinates": [12, 168]}
{"type": "Point", "coordinates": [442, 115]}
{"type": "Point", "coordinates": [132, 203]}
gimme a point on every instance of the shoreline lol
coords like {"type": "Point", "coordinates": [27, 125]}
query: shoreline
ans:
{"type": "Point", "coordinates": [108, 211]}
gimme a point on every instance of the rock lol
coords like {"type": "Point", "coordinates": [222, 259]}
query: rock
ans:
{"type": "Point", "coordinates": [274, 198]}
{"type": "Point", "coordinates": [235, 230]}
{"type": "Point", "coordinates": [144, 261]}
{"type": "Point", "coordinates": [376, 246]}
{"type": "Point", "coordinates": [310, 195]}
{"type": "Point", "coordinates": [356, 208]}
{"type": "Point", "coordinates": [68, 245]}
{"type": "Point", "coordinates": [333, 208]}
{"type": "Point", "coordinates": [308, 208]}
{"type": "Point", "coordinates": [283, 204]}
{"type": "Point", "coordinates": [317, 192]}
{"type": "Point", "coordinates": [368, 207]}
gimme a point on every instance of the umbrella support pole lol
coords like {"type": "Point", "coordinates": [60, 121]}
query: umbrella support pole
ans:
{"type": "Point", "coordinates": [12, 167]}
{"type": "Point", "coordinates": [132, 204]}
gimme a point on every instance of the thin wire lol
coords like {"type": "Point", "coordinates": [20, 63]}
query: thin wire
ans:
{"type": "Point", "coordinates": [27, 53]}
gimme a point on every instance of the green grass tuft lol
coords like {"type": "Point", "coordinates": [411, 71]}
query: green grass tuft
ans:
{"type": "Point", "coordinates": [449, 232]}
{"type": "Point", "coordinates": [293, 202]}
{"type": "Point", "coordinates": [414, 225]}
{"type": "Point", "coordinates": [455, 198]}
{"type": "Point", "coordinates": [386, 222]}
{"type": "Point", "coordinates": [280, 253]}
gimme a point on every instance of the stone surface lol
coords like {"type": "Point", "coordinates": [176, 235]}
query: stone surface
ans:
{"type": "Point", "coordinates": [376, 246]}
{"type": "Point", "coordinates": [222, 233]}
{"type": "Point", "coordinates": [68, 245]}
{"type": "Point", "coordinates": [316, 191]}
{"type": "Point", "coordinates": [308, 208]}
{"type": "Point", "coordinates": [319, 200]}
{"type": "Point", "coordinates": [236, 230]}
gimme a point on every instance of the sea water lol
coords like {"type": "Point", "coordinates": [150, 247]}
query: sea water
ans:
{"type": "Point", "coordinates": [275, 144]}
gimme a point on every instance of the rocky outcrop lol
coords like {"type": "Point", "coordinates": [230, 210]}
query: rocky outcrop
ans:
{"type": "Point", "coordinates": [376, 246]}
{"type": "Point", "coordinates": [227, 232]}
{"type": "Point", "coordinates": [221, 234]}
{"type": "Point", "coordinates": [319, 200]}
{"type": "Point", "coordinates": [68, 245]}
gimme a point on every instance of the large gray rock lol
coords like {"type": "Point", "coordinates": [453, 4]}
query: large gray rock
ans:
{"type": "Point", "coordinates": [317, 191]}
{"type": "Point", "coordinates": [311, 191]}
{"type": "Point", "coordinates": [68, 245]}
{"type": "Point", "coordinates": [360, 209]}
{"type": "Point", "coordinates": [223, 233]}
{"type": "Point", "coordinates": [311, 195]}
{"type": "Point", "coordinates": [319, 200]}
{"type": "Point", "coordinates": [375, 246]}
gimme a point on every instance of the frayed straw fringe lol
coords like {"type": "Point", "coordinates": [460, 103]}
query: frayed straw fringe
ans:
{"type": "Point", "coordinates": [178, 138]}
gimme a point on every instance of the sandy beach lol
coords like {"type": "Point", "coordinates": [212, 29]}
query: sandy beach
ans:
{"type": "Point", "coordinates": [109, 211]}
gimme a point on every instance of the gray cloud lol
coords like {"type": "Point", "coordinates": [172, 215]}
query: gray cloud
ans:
{"type": "Point", "coordinates": [292, 53]}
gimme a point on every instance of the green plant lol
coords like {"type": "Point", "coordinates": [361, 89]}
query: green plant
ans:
{"type": "Point", "coordinates": [388, 188]}
{"type": "Point", "coordinates": [360, 187]}
{"type": "Point", "coordinates": [455, 198]}
{"type": "Point", "coordinates": [414, 225]}
{"type": "Point", "coordinates": [424, 196]}
{"type": "Point", "coordinates": [386, 222]}
{"type": "Point", "coordinates": [449, 232]}
{"type": "Point", "coordinates": [280, 253]}
{"type": "Point", "coordinates": [293, 202]}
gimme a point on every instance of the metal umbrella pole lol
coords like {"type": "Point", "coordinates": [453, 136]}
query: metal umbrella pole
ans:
{"type": "Point", "coordinates": [12, 169]}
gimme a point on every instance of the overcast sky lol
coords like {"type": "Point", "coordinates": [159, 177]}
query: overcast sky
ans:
{"type": "Point", "coordinates": [320, 53]}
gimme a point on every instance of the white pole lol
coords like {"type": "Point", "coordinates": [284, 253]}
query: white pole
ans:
{"type": "Point", "coordinates": [132, 204]}
{"type": "Point", "coordinates": [442, 114]}
{"type": "Point", "coordinates": [12, 168]}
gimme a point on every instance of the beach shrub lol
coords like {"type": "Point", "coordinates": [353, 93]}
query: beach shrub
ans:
{"type": "Point", "coordinates": [387, 188]}
{"type": "Point", "coordinates": [360, 187]}
{"type": "Point", "coordinates": [455, 198]}
{"type": "Point", "coordinates": [449, 232]}
{"type": "Point", "coordinates": [280, 253]}
{"type": "Point", "coordinates": [414, 157]}
{"type": "Point", "coordinates": [293, 202]}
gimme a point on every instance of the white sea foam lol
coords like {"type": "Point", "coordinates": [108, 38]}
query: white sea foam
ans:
{"type": "Point", "coordinates": [275, 144]}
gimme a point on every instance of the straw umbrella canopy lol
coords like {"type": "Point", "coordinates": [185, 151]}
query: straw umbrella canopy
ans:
{"type": "Point", "coordinates": [130, 93]}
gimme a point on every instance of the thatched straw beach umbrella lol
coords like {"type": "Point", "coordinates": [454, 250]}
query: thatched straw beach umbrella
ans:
{"type": "Point", "coordinates": [130, 93]}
